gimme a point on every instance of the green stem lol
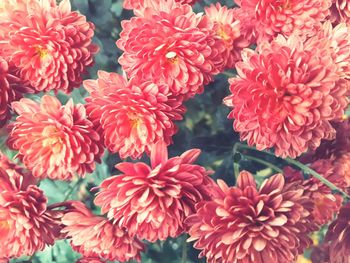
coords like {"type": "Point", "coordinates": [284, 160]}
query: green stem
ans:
{"type": "Point", "coordinates": [301, 166]}
{"type": "Point", "coordinates": [267, 164]}
{"type": "Point", "coordinates": [235, 164]}
{"type": "Point", "coordinates": [77, 183]}
{"type": "Point", "coordinates": [308, 170]}
{"type": "Point", "coordinates": [184, 249]}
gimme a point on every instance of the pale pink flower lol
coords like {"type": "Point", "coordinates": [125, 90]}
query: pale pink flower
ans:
{"type": "Point", "coordinates": [132, 115]}
{"type": "Point", "coordinates": [287, 17]}
{"type": "Point", "coordinates": [153, 202]}
{"type": "Point", "coordinates": [180, 51]}
{"type": "Point", "coordinates": [226, 29]}
{"type": "Point", "coordinates": [246, 224]}
{"type": "Point", "coordinates": [95, 236]}
{"type": "Point", "coordinates": [26, 226]}
{"type": "Point", "coordinates": [136, 4]}
{"type": "Point", "coordinates": [49, 44]}
{"type": "Point", "coordinates": [285, 96]}
{"type": "Point", "coordinates": [53, 140]}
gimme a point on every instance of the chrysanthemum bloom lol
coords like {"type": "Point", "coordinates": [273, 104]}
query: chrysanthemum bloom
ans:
{"type": "Point", "coordinates": [340, 12]}
{"type": "Point", "coordinates": [285, 97]}
{"type": "Point", "coordinates": [227, 29]}
{"type": "Point", "coordinates": [153, 202]}
{"type": "Point", "coordinates": [325, 203]}
{"type": "Point", "coordinates": [246, 224]}
{"type": "Point", "coordinates": [54, 141]}
{"type": "Point", "coordinates": [11, 88]}
{"type": "Point", "coordinates": [95, 236]}
{"type": "Point", "coordinates": [338, 236]}
{"type": "Point", "coordinates": [335, 40]}
{"type": "Point", "coordinates": [342, 167]}
{"type": "Point", "coordinates": [26, 226]}
{"type": "Point", "coordinates": [179, 53]}
{"type": "Point", "coordinates": [136, 4]}
{"type": "Point", "coordinates": [132, 116]}
{"type": "Point", "coordinates": [49, 44]}
{"type": "Point", "coordinates": [287, 17]}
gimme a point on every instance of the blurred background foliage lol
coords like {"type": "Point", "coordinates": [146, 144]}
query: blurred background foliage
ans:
{"type": "Point", "coordinates": [205, 126]}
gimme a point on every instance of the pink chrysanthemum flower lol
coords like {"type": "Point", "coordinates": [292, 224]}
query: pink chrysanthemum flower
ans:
{"type": "Point", "coordinates": [54, 141]}
{"type": "Point", "coordinates": [95, 236]}
{"type": "Point", "coordinates": [11, 89]}
{"type": "Point", "coordinates": [137, 4]}
{"type": "Point", "coordinates": [227, 30]}
{"type": "Point", "coordinates": [325, 203]}
{"type": "Point", "coordinates": [132, 116]}
{"type": "Point", "coordinates": [340, 12]}
{"type": "Point", "coordinates": [180, 51]}
{"type": "Point", "coordinates": [49, 44]}
{"type": "Point", "coordinates": [342, 167]}
{"type": "Point", "coordinates": [246, 224]}
{"type": "Point", "coordinates": [338, 236]}
{"type": "Point", "coordinates": [26, 226]}
{"type": "Point", "coordinates": [287, 17]}
{"type": "Point", "coordinates": [285, 96]}
{"type": "Point", "coordinates": [153, 202]}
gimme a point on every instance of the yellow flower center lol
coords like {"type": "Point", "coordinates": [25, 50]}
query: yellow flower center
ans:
{"type": "Point", "coordinates": [135, 121]}
{"type": "Point", "coordinates": [222, 33]}
{"type": "Point", "coordinates": [42, 52]}
{"type": "Point", "coordinates": [53, 139]}
{"type": "Point", "coordinates": [172, 57]}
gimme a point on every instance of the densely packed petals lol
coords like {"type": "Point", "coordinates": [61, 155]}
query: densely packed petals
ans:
{"type": "Point", "coordinates": [54, 141]}
{"type": "Point", "coordinates": [49, 44]}
{"type": "Point", "coordinates": [287, 17]}
{"type": "Point", "coordinates": [26, 226]}
{"type": "Point", "coordinates": [325, 203]}
{"type": "Point", "coordinates": [340, 12]}
{"type": "Point", "coordinates": [338, 236]}
{"type": "Point", "coordinates": [179, 53]}
{"type": "Point", "coordinates": [133, 115]}
{"type": "Point", "coordinates": [246, 224]}
{"type": "Point", "coordinates": [227, 31]}
{"type": "Point", "coordinates": [285, 96]}
{"type": "Point", "coordinates": [95, 236]}
{"type": "Point", "coordinates": [153, 202]}
{"type": "Point", "coordinates": [136, 4]}
{"type": "Point", "coordinates": [11, 89]}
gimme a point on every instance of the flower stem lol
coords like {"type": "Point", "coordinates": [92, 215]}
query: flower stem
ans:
{"type": "Point", "coordinates": [301, 166]}
{"type": "Point", "coordinates": [263, 162]}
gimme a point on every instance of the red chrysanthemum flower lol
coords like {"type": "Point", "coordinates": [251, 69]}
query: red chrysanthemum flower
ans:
{"type": "Point", "coordinates": [340, 12]}
{"type": "Point", "coordinates": [246, 224]}
{"type": "Point", "coordinates": [26, 226]}
{"type": "Point", "coordinates": [49, 44]}
{"type": "Point", "coordinates": [132, 116]}
{"type": "Point", "coordinates": [180, 51]}
{"type": "Point", "coordinates": [95, 236]}
{"type": "Point", "coordinates": [285, 96]}
{"type": "Point", "coordinates": [153, 202]}
{"type": "Point", "coordinates": [11, 89]}
{"type": "Point", "coordinates": [54, 141]}
{"type": "Point", "coordinates": [226, 29]}
{"type": "Point", "coordinates": [342, 167]}
{"type": "Point", "coordinates": [338, 236]}
{"type": "Point", "coordinates": [325, 203]}
{"type": "Point", "coordinates": [287, 17]}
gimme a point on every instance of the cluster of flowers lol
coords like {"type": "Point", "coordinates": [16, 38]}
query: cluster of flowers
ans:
{"type": "Point", "coordinates": [290, 93]}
